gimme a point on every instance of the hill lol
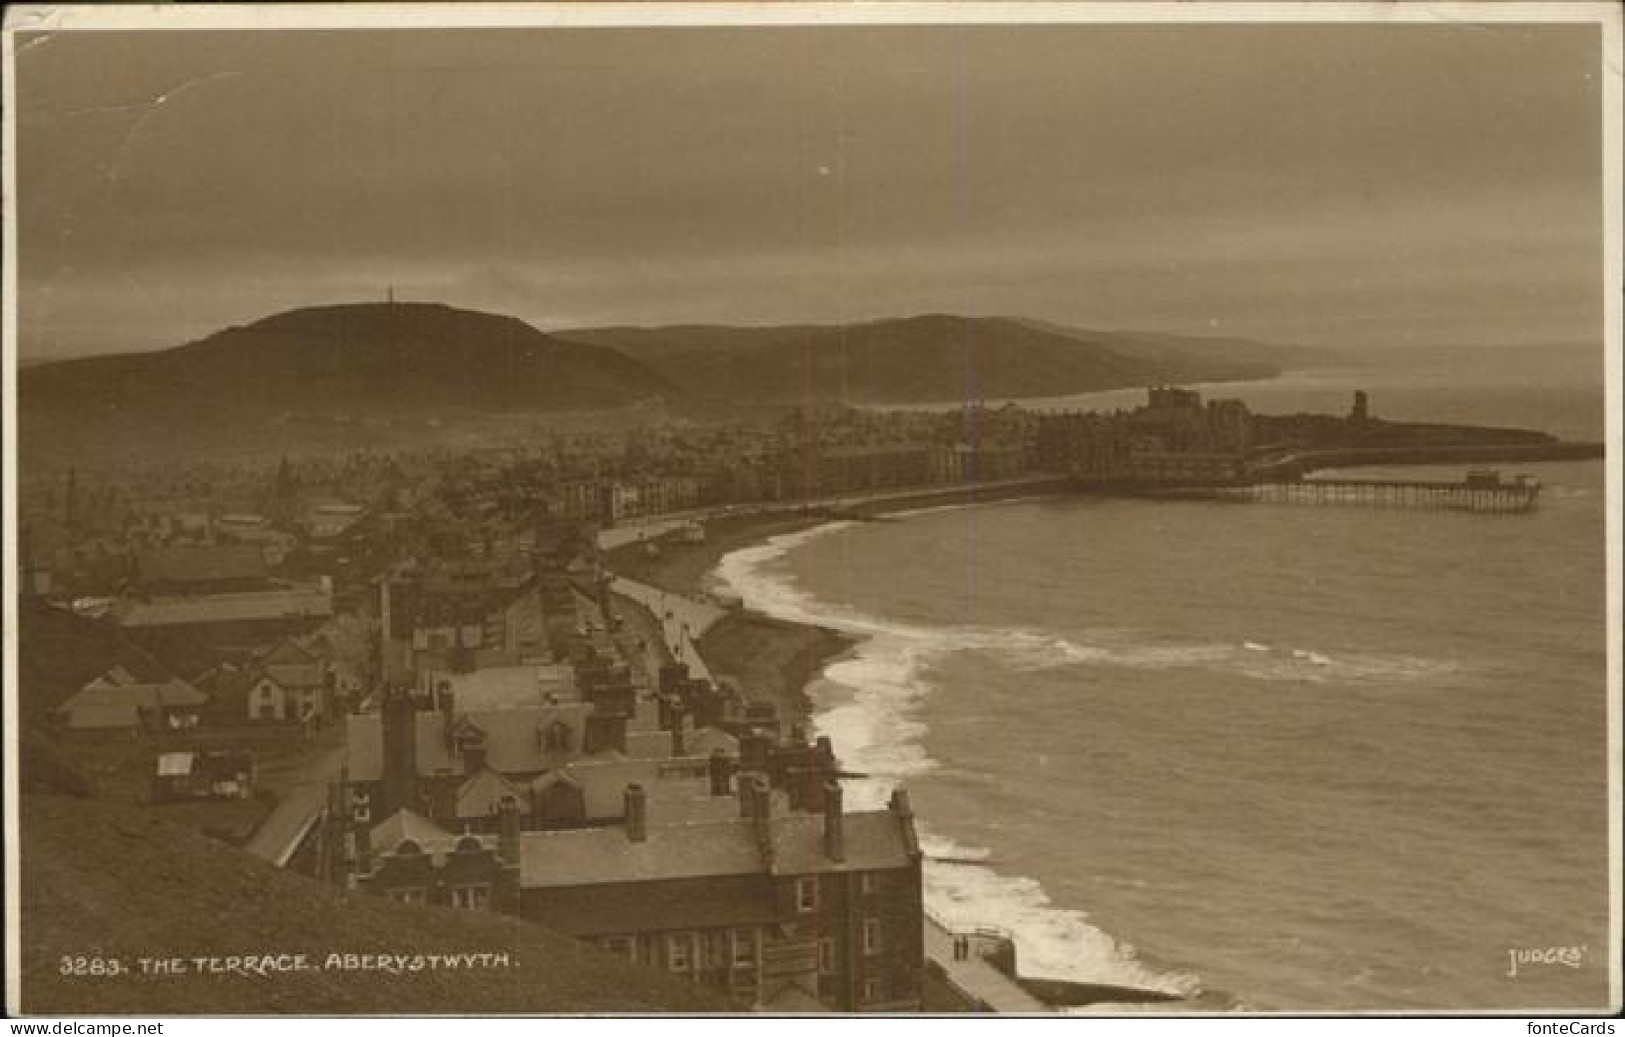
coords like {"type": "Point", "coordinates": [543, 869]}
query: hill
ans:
{"type": "Point", "coordinates": [59, 652]}
{"type": "Point", "coordinates": [387, 358]}
{"type": "Point", "coordinates": [108, 881]}
{"type": "Point", "coordinates": [934, 358]}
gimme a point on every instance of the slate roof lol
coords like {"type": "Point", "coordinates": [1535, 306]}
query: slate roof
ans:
{"type": "Point", "coordinates": [481, 794]}
{"type": "Point", "coordinates": [288, 650]}
{"type": "Point", "coordinates": [592, 856]}
{"type": "Point", "coordinates": [236, 607]}
{"type": "Point", "coordinates": [656, 744]}
{"type": "Point", "coordinates": [874, 840]}
{"type": "Point", "coordinates": [402, 825]}
{"type": "Point", "coordinates": [100, 704]}
{"type": "Point", "coordinates": [603, 785]}
{"type": "Point", "coordinates": [511, 742]}
{"type": "Point", "coordinates": [512, 746]}
{"type": "Point", "coordinates": [512, 687]}
{"type": "Point", "coordinates": [115, 677]}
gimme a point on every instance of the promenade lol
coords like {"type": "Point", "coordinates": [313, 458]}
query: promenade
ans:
{"type": "Point", "coordinates": [975, 978]}
{"type": "Point", "coordinates": [683, 621]}
{"type": "Point", "coordinates": [634, 530]}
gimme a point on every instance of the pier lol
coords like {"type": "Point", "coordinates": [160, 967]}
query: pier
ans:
{"type": "Point", "coordinates": [1480, 491]}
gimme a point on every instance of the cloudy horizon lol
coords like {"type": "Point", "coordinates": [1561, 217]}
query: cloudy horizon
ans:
{"type": "Point", "coordinates": [1332, 185]}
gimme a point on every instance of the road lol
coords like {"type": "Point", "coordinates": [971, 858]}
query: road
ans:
{"type": "Point", "coordinates": [635, 529]}
{"type": "Point", "coordinates": [683, 620]}
{"type": "Point", "coordinates": [301, 795]}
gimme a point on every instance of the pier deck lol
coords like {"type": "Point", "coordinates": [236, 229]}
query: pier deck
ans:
{"type": "Point", "coordinates": [1492, 495]}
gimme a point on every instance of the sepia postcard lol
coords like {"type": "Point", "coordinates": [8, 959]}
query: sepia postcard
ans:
{"type": "Point", "coordinates": [792, 508]}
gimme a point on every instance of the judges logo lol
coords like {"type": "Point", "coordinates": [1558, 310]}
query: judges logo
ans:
{"type": "Point", "coordinates": [1520, 959]}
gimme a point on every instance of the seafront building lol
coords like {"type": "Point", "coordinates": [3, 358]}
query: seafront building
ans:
{"type": "Point", "coordinates": [1173, 439]}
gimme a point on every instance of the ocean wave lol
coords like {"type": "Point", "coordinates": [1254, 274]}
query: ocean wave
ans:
{"type": "Point", "coordinates": [1051, 942]}
{"type": "Point", "coordinates": [869, 701]}
{"type": "Point", "coordinates": [1029, 650]}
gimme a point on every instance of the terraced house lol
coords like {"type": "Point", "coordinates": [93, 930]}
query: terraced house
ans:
{"type": "Point", "coordinates": [786, 909]}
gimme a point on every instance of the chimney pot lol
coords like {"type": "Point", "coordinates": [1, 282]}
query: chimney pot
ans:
{"type": "Point", "coordinates": [718, 768]}
{"type": "Point", "coordinates": [763, 820]}
{"type": "Point", "coordinates": [508, 830]}
{"type": "Point", "coordinates": [826, 749]}
{"type": "Point", "coordinates": [764, 800]}
{"type": "Point", "coordinates": [834, 823]}
{"type": "Point", "coordinates": [637, 816]}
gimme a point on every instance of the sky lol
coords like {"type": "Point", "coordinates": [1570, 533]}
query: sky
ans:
{"type": "Point", "coordinates": [1350, 186]}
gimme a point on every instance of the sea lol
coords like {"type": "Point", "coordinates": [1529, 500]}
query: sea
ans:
{"type": "Point", "coordinates": [1270, 757]}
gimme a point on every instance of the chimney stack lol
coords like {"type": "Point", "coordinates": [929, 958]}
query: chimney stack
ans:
{"type": "Point", "coordinates": [637, 814]}
{"type": "Point", "coordinates": [794, 787]}
{"type": "Point", "coordinates": [753, 751]}
{"type": "Point", "coordinates": [679, 739]}
{"type": "Point", "coordinates": [746, 787]}
{"type": "Point", "coordinates": [834, 829]}
{"type": "Point", "coordinates": [719, 769]}
{"type": "Point", "coordinates": [446, 700]}
{"type": "Point", "coordinates": [764, 817]}
{"type": "Point", "coordinates": [398, 729]}
{"type": "Point", "coordinates": [361, 832]}
{"type": "Point", "coordinates": [899, 804]}
{"type": "Point", "coordinates": [508, 830]}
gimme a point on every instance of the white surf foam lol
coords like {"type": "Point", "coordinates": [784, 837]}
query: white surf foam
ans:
{"type": "Point", "coordinates": [869, 702]}
{"type": "Point", "coordinates": [1030, 650]}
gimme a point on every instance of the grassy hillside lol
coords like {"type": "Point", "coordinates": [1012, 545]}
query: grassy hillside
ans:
{"type": "Point", "coordinates": [108, 881]}
{"type": "Point", "coordinates": [59, 653]}
{"type": "Point", "coordinates": [935, 358]}
{"type": "Point", "coordinates": [364, 358]}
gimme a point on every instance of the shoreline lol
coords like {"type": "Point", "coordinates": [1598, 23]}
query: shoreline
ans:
{"type": "Point", "coordinates": [771, 659]}
{"type": "Point", "coordinates": [777, 660]}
